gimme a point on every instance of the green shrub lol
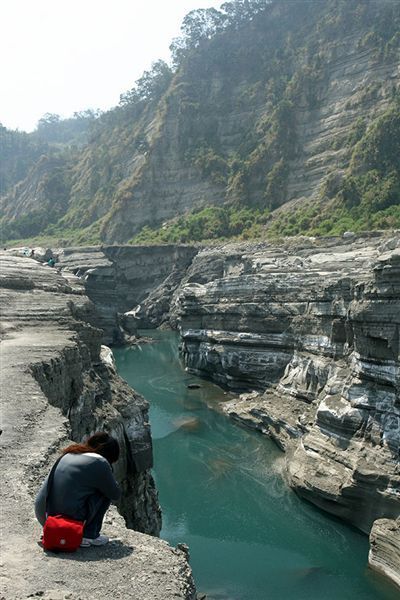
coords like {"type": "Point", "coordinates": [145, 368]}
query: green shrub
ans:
{"type": "Point", "coordinates": [210, 223]}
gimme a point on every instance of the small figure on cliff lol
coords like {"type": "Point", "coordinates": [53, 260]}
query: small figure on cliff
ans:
{"type": "Point", "coordinates": [83, 486]}
{"type": "Point", "coordinates": [51, 262]}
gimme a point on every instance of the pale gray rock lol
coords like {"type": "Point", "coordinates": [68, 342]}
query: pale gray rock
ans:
{"type": "Point", "coordinates": [384, 555]}
{"type": "Point", "coordinates": [37, 252]}
{"type": "Point", "coordinates": [42, 254]}
{"type": "Point", "coordinates": [107, 357]}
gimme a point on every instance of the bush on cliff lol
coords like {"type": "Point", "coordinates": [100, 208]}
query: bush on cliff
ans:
{"type": "Point", "coordinates": [211, 223]}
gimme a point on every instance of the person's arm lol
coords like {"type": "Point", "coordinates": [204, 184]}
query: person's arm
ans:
{"type": "Point", "coordinates": [105, 481]}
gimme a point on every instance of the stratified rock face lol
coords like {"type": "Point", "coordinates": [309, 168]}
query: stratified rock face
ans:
{"type": "Point", "coordinates": [212, 135]}
{"type": "Point", "coordinates": [357, 423]}
{"type": "Point", "coordinates": [58, 386]}
{"type": "Point", "coordinates": [213, 104]}
{"type": "Point", "coordinates": [384, 555]}
{"type": "Point", "coordinates": [119, 278]}
{"type": "Point", "coordinates": [315, 330]}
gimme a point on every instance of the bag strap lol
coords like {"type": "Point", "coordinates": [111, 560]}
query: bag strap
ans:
{"type": "Point", "coordinates": [50, 484]}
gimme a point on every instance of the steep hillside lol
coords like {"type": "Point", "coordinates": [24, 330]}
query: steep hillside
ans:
{"type": "Point", "coordinates": [271, 105]}
{"type": "Point", "coordinates": [19, 152]}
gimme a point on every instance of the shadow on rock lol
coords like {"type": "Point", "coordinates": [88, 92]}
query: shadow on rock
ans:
{"type": "Point", "coordinates": [114, 550]}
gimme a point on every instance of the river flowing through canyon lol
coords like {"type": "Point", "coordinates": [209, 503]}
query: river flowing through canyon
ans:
{"type": "Point", "coordinates": [222, 492]}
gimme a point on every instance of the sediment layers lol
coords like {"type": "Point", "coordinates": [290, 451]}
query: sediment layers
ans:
{"type": "Point", "coordinates": [313, 331]}
{"type": "Point", "coordinates": [58, 385]}
{"type": "Point", "coordinates": [385, 548]}
{"type": "Point", "coordinates": [118, 278]}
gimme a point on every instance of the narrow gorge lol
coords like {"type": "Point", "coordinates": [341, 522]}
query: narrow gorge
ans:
{"type": "Point", "coordinates": [311, 330]}
{"type": "Point", "coordinates": [314, 332]}
{"type": "Point", "coordinates": [306, 334]}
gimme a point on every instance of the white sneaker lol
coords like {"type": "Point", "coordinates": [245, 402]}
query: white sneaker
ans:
{"type": "Point", "coordinates": [101, 540]}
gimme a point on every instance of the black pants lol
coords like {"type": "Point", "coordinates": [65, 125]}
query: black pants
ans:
{"type": "Point", "coordinates": [97, 507]}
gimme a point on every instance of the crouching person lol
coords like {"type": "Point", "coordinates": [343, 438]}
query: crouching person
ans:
{"type": "Point", "coordinates": [83, 486]}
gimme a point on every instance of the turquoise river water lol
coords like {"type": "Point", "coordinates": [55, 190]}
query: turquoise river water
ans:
{"type": "Point", "coordinates": [222, 493]}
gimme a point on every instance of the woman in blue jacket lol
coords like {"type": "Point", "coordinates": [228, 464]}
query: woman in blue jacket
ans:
{"type": "Point", "coordinates": [83, 486]}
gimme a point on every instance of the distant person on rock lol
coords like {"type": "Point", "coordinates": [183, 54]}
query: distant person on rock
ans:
{"type": "Point", "coordinates": [83, 486]}
{"type": "Point", "coordinates": [51, 262]}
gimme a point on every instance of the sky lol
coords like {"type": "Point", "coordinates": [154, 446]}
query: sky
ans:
{"type": "Point", "coordinates": [64, 56]}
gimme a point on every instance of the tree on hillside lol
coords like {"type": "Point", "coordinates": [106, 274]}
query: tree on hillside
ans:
{"type": "Point", "coordinates": [150, 86]}
{"type": "Point", "coordinates": [239, 11]}
{"type": "Point", "coordinates": [19, 151]}
{"type": "Point", "coordinates": [202, 24]}
{"type": "Point", "coordinates": [198, 25]}
{"type": "Point", "coordinates": [88, 114]}
{"type": "Point", "coordinates": [54, 129]}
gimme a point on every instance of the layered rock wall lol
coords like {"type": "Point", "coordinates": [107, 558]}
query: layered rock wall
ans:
{"type": "Point", "coordinates": [57, 386]}
{"type": "Point", "coordinates": [313, 332]}
{"type": "Point", "coordinates": [385, 548]}
{"type": "Point", "coordinates": [119, 278]}
{"type": "Point", "coordinates": [219, 108]}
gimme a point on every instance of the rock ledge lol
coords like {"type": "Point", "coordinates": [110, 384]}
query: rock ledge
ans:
{"type": "Point", "coordinates": [55, 387]}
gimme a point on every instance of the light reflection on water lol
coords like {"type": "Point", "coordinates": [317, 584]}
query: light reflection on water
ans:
{"type": "Point", "coordinates": [222, 493]}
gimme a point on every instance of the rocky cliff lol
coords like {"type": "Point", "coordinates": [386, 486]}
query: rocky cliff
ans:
{"type": "Point", "coordinates": [58, 385]}
{"type": "Point", "coordinates": [224, 134]}
{"type": "Point", "coordinates": [119, 278]}
{"type": "Point", "coordinates": [310, 334]}
{"type": "Point", "coordinates": [385, 548]}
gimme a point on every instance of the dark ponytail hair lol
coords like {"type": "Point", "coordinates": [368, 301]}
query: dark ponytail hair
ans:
{"type": "Point", "coordinates": [100, 442]}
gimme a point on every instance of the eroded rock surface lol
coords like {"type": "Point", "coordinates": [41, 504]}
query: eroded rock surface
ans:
{"type": "Point", "coordinates": [314, 330]}
{"type": "Point", "coordinates": [57, 387]}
